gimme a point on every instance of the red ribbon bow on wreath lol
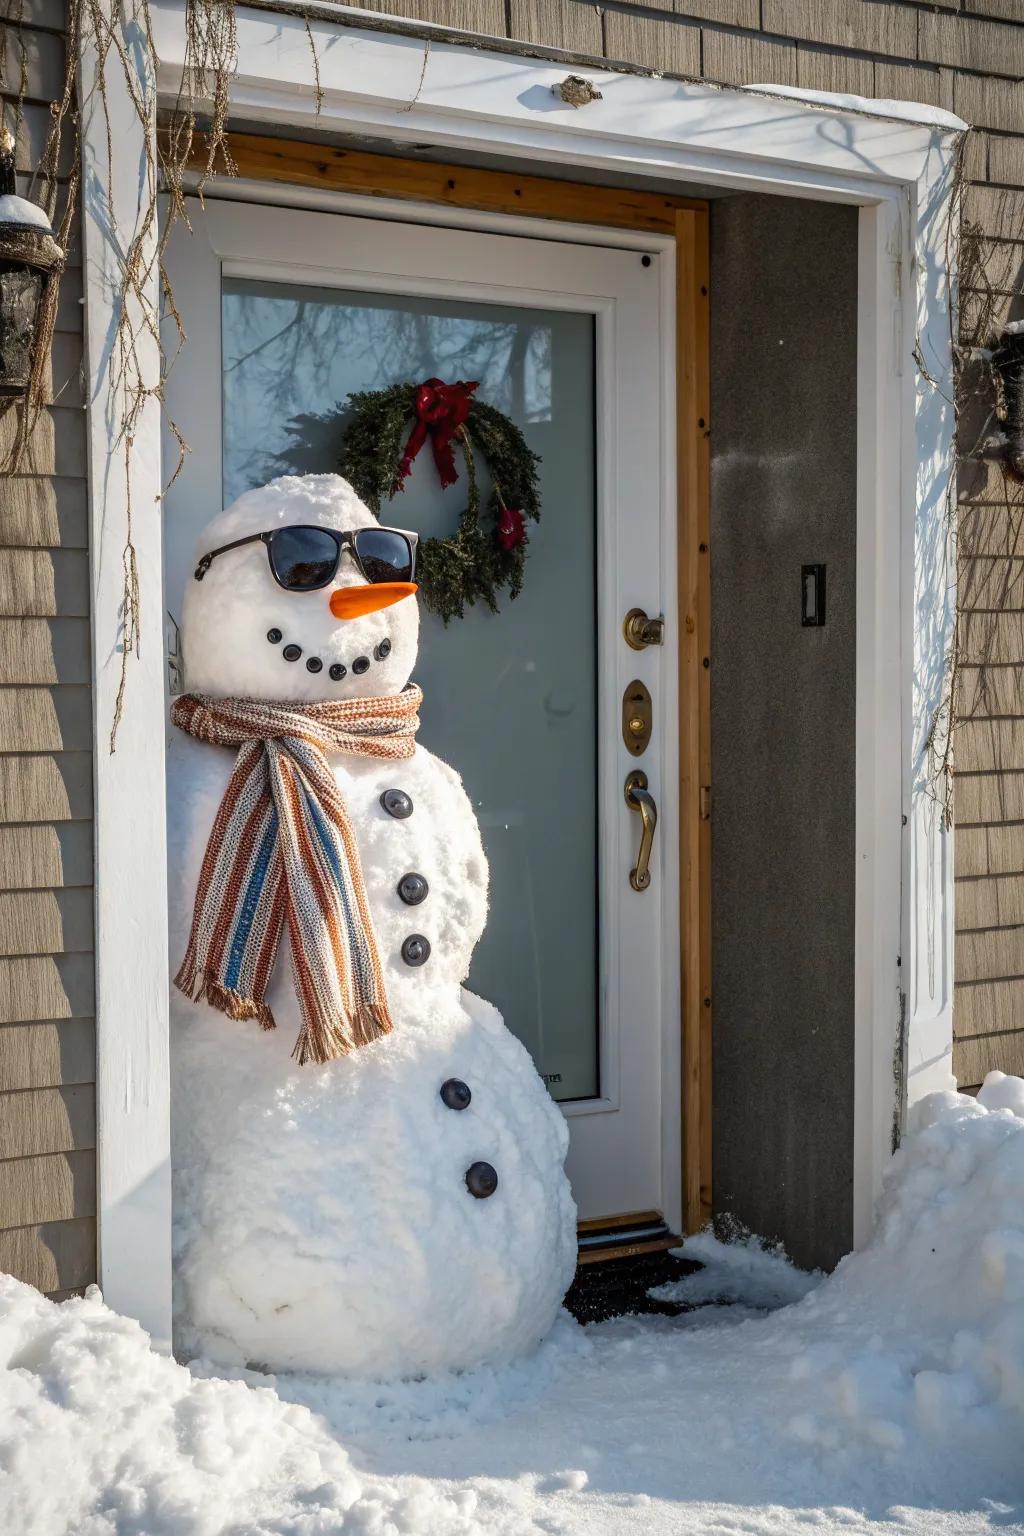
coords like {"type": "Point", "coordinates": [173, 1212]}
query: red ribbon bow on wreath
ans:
{"type": "Point", "coordinates": [441, 410]}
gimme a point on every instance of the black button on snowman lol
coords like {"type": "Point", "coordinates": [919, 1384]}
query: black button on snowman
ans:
{"type": "Point", "coordinates": [481, 1178]}
{"type": "Point", "coordinates": [307, 1198]}
{"type": "Point", "coordinates": [455, 1093]}
{"type": "Point", "coordinates": [412, 889]}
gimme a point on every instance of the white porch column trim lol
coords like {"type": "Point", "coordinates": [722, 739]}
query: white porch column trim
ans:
{"type": "Point", "coordinates": [883, 567]}
{"type": "Point", "coordinates": [389, 85]}
{"type": "Point", "coordinates": [132, 1084]}
{"type": "Point", "coordinates": [929, 468]}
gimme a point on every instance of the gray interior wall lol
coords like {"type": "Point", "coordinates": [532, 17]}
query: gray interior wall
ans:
{"type": "Point", "coordinates": [783, 493]}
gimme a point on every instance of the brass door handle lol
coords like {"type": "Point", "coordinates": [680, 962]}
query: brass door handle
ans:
{"type": "Point", "coordinates": [640, 799]}
{"type": "Point", "coordinates": [639, 631]}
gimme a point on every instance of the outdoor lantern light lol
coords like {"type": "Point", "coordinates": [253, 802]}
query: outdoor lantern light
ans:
{"type": "Point", "coordinates": [1008, 372]}
{"type": "Point", "coordinates": [29, 259]}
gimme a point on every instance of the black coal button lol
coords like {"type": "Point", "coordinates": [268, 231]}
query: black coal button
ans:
{"type": "Point", "coordinates": [292, 652]}
{"type": "Point", "coordinates": [412, 889]}
{"type": "Point", "coordinates": [416, 949]}
{"type": "Point", "coordinates": [481, 1180]}
{"type": "Point", "coordinates": [314, 664]}
{"type": "Point", "coordinates": [361, 665]}
{"type": "Point", "coordinates": [274, 636]}
{"type": "Point", "coordinates": [455, 1093]}
{"type": "Point", "coordinates": [383, 650]}
{"type": "Point", "coordinates": [397, 803]}
{"type": "Point", "coordinates": [338, 670]}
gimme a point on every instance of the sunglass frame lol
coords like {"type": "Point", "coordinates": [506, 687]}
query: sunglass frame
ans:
{"type": "Point", "coordinates": [343, 539]}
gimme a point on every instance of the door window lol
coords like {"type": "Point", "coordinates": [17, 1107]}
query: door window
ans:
{"type": "Point", "coordinates": [510, 700]}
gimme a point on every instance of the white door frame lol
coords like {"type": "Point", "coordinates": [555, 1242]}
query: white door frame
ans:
{"type": "Point", "coordinates": [385, 81]}
{"type": "Point", "coordinates": [635, 322]}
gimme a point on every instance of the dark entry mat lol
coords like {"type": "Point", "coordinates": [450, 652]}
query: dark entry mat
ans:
{"type": "Point", "coordinates": [619, 1287]}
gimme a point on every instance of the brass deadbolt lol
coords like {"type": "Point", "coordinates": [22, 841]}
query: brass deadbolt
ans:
{"type": "Point", "coordinates": [637, 718]}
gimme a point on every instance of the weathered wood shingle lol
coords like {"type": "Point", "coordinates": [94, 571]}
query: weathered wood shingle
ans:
{"type": "Point", "coordinates": [634, 39]}
{"type": "Point", "coordinates": [47, 1034]}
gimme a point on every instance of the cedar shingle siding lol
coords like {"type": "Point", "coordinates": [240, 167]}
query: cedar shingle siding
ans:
{"type": "Point", "coordinates": [47, 1038]}
{"type": "Point", "coordinates": [968, 57]}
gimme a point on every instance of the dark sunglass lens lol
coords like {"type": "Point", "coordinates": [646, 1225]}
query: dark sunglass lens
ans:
{"type": "Point", "coordinates": [386, 555]}
{"type": "Point", "coordinates": [303, 559]}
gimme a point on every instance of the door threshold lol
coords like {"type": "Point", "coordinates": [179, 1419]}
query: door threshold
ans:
{"type": "Point", "coordinates": [621, 1286]}
{"type": "Point", "coordinates": [622, 1237]}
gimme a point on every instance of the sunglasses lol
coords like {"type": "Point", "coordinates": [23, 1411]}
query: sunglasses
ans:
{"type": "Point", "coordinates": [305, 558]}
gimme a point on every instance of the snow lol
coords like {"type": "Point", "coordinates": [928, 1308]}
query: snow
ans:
{"type": "Point", "coordinates": [322, 1220]}
{"type": "Point", "coordinates": [889, 1399]}
{"type": "Point", "coordinates": [226, 616]}
{"type": "Point", "coordinates": [746, 1271]}
{"type": "Point", "coordinates": [321, 1216]}
{"type": "Point", "coordinates": [872, 106]}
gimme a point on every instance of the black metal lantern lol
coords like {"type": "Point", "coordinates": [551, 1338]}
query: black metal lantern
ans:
{"type": "Point", "coordinates": [1007, 362]}
{"type": "Point", "coordinates": [30, 259]}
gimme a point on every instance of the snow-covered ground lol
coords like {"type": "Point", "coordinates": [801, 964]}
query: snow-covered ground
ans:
{"type": "Point", "coordinates": [889, 1398]}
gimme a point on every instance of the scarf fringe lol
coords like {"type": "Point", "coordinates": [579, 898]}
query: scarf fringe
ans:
{"type": "Point", "coordinates": [322, 1042]}
{"type": "Point", "coordinates": [203, 988]}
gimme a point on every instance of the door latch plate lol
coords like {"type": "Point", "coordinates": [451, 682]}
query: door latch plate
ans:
{"type": "Point", "coordinates": [637, 718]}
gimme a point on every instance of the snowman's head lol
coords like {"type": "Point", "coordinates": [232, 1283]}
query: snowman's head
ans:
{"type": "Point", "coordinates": [245, 636]}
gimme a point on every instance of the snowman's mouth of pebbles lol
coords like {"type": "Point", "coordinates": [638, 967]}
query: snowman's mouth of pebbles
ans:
{"type": "Point", "coordinates": [337, 670]}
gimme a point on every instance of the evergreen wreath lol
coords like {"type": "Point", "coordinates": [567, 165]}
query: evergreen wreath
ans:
{"type": "Point", "coordinates": [477, 561]}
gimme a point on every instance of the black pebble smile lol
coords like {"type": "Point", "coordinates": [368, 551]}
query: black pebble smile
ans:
{"type": "Point", "coordinates": [337, 669]}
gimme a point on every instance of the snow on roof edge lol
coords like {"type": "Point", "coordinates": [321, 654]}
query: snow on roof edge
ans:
{"type": "Point", "coordinates": [904, 111]}
{"type": "Point", "coordinates": [345, 13]}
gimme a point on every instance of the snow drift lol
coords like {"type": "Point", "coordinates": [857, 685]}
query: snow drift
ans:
{"type": "Point", "coordinates": [890, 1398]}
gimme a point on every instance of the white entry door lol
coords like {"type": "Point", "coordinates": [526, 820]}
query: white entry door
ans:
{"type": "Point", "coordinates": [289, 311]}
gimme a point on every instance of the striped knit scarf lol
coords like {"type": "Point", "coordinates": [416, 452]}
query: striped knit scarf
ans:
{"type": "Point", "coordinates": [282, 850]}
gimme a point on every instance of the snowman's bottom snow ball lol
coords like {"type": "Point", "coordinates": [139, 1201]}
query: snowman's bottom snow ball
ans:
{"type": "Point", "coordinates": [403, 1211]}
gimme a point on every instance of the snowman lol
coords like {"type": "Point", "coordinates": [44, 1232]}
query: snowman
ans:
{"type": "Point", "coordinates": [371, 1183]}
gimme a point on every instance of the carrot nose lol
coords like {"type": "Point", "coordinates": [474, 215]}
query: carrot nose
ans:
{"type": "Point", "coordinates": [353, 602]}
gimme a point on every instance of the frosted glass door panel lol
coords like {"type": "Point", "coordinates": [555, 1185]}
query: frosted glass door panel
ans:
{"type": "Point", "coordinates": [510, 699]}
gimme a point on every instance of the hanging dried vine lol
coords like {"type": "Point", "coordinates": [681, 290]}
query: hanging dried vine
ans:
{"type": "Point", "coordinates": [108, 33]}
{"type": "Point", "coordinates": [987, 498]}
{"type": "Point", "coordinates": [938, 745]}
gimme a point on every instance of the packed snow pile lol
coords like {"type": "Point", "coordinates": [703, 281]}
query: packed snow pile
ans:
{"type": "Point", "coordinates": [922, 1334]}
{"type": "Point", "coordinates": [100, 1435]}
{"type": "Point", "coordinates": [747, 1272]}
{"type": "Point", "coordinates": [889, 1399]}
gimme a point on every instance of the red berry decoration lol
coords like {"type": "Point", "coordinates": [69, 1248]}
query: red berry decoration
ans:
{"type": "Point", "coordinates": [511, 529]}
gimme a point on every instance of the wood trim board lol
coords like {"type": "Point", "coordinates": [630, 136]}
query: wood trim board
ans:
{"type": "Point", "coordinates": [338, 169]}
{"type": "Point", "coordinates": [693, 427]}
{"type": "Point", "coordinates": [626, 1236]}
{"type": "Point", "coordinates": [686, 220]}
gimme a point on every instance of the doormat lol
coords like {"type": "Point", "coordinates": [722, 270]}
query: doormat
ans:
{"type": "Point", "coordinates": [619, 1287]}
